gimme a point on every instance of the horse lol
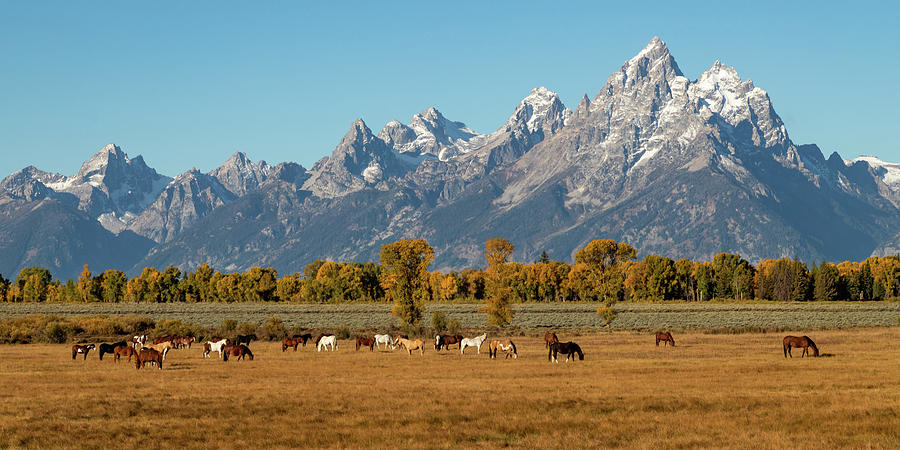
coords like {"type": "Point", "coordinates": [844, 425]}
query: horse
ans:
{"type": "Point", "coordinates": [292, 342]}
{"type": "Point", "coordinates": [124, 351]}
{"type": "Point", "coordinates": [148, 355]}
{"type": "Point", "coordinates": [472, 342]}
{"type": "Point", "coordinates": [76, 349]}
{"type": "Point", "coordinates": [566, 348]}
{"type": "Point", "coordinates": [385, 339]}
{"type": "Point", "coordinates": [138, 341]}
{"type": "Point", "coordinates": [550, 338]}
{"type": "Point", "coordinates": [362, 341]}
{"type": "Point", "coordinates": [110, 348]}
{"type": "Point", "coordinates": [805, 342]}
{"type": "Point", "coordinates": [162, 347]}
{"type": "Point", "coordinates": [244, 339]}
{"type": "Point", "coordinates": [446, 340]}
{"type": "Point", "coordinates": [161, 339]}
{"type": "Point", "coordinates": [506, 345]}
{"type": "Point", "coordinates": [324, 340]}
{"type": "Point", "coordinates": [215, 346]}
{"type": "Point", "coordinates": [410, 345]}
{"type": "Point", "coordinates": [665, 337]}
{"type": "Point", "coordinates": [240, 351]}
{"type": "Point", "coordinates": [183, 341]}
{"type": "Point", "coordinates": [306, 338]}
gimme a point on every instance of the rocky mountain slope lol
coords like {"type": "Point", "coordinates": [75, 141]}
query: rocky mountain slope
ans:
{"type": "Point", "coordinates": [679, 167]}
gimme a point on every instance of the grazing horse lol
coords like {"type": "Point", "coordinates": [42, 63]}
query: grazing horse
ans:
{"type": "Point", "coordinates": [306, 338]}
{"type": "Point", "coordinates": [506, 345]}
{"type": "Point", "coordinates": [162, 347]}
{"type": "Point", "coordinates": [148, 355]}
{"type": "Point", "coordinates": [244, 339]}
{"type": "Point", "coordinates": [804, 342]}
{"type": "Point", "coordinates": [110, 348]}
{"type": "Point", "coordinates": [446, 340]}
{"type": "Point", "coordinates": [550, 338]}
{"type": "Point", "coordinates": [215, 346]}
{"type": "Point", "coordinates": [410, 345]}
{"type": "Point", "coordinates": [183, 341]}
{"type": "Point", "coordinates": [385, 339]}
{"type": "Point", "coordinates": [161, 339]}
{"type": "Point", "coordinates": [292, 342]}
{"type": "Point", "coordinates": [324, 340]}
{"type": "Point", "coordinates": [362, 341]}
{"type": "Point", "coordinates": [239, 351]}
{"type": "Point", "coordinates": [124, 351]}
{"type": "Point", "coordinates": [665, 337]}
{"type": "Point", "coordinates": [472, 342]}
{"type": "Point", "coordinates": [139, 341]}
{"type": "Point", "coordinates": [566, 348]}
{"type": "Point", "coordinates": [76, 349]}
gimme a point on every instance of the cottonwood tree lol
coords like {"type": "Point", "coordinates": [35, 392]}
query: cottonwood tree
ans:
{"type": "Point", "coordinates": [404, 277]}
{"type": "Point", "coordinates": [497, 252]}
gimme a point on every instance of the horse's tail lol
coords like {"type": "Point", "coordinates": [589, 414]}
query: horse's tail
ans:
{"type": "Point", "coordinates": [513, 344]}
{"type": "Point", "coordinates": [813, 345]}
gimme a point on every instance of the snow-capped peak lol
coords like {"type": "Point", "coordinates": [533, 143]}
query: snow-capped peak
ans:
{"type": "Point", "coordinates": [889, 172]}
{"type": "Point", "coordinates": [541, 107]}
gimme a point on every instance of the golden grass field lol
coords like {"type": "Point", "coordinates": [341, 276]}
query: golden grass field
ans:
{"type": "Point", "coordinates": [709, 391]}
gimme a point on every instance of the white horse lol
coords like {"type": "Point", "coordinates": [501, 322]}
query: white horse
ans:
{"type": "Point", "coordinates": [214, 346]}
{"type": "Point", "coordinates": [325, 342]}
{"type": "Point", "coordinates": [472, 342]}
{"type": "Point", "coordinates": [385, 339]}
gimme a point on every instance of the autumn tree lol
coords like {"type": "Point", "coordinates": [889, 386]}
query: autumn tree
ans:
{"type": "Point", "coordinates": [497, 252]}
{"type": "Point", "coordinates": [86, 286]}
{"type": "Point", "coordinates": [826, 282]}
{"type": "Point", "coordinates": [33, 283]}
{"type": "Point", "coordinates": [603, 259]}
{"type": "Point", "coordinates": [405, 277]}
{"type": "Point", "coordinates": [112, 286]}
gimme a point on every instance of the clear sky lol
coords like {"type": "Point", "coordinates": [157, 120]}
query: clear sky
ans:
{"type": "Point", "coordinates": [188, 83]}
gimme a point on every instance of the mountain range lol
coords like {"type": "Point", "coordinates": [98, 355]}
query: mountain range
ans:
{"type": "Point", "coordinates": [673, 166]}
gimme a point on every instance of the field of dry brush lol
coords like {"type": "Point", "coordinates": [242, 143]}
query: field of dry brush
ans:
{"type": "Point", "coordinates": [710, 390]}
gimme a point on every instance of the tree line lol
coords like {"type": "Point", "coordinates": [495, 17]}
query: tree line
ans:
{"type": "Point", "coordinates": [603, 271]}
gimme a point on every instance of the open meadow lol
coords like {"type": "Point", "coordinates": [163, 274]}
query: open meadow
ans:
{"type": "Point", "coordinates": [710, 390]}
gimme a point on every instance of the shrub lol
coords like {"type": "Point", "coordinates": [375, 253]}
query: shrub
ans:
{"type": "Point", "coordinates": [56, 333]}
{"type": "Point", "coordinates": [229, 325]}
{"type": "Point", "coordinates": [342, 332]}
{"type": "Point", "coordinates": [438, 321]}
{"type": "Point", "coordinates": [273, 329]}
{"type": "Point", "coordinates": [453, 326]}
{"type": "Point", "coordinates": [246, 328]}
{"type": "Point", "coordinates": [176, 327]}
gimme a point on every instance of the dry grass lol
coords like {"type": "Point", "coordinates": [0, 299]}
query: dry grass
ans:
{"type": "Point", "coordinates": [709, 391]}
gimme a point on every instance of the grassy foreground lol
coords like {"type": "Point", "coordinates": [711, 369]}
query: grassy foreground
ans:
{"type": "Point", "coordinates": [709, 391]}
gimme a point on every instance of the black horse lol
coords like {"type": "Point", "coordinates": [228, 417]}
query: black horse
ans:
{"type": "Point", "coordinates": [566, 348]}
{"type": "Point", "coordinates": [244, 339]}
{"type": "Point", "coordinates": [110, 348]}
{"type": "Point", "coordinates": [306, 337]}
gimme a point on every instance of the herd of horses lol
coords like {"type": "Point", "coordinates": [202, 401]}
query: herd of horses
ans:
{"type": "Point", "coordinates": [146, 351]}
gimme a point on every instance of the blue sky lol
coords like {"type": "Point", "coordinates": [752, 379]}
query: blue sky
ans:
{"type": "Point", "coordinates": [186, 84]}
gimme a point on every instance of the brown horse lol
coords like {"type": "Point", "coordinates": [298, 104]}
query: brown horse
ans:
{"type": "Point", "coordinates": [109, 348]}
{"type": "Point", "coordinates": [148, 355]}
{"type": "Point", "coordinates": [162, 347]}
{"type": "Point", "coordinates": [567, 348]}
{"type": "Point", "coordinates": [292, 342]}
{"type": "Point", "coordinates": [665, 337]}
{"type": "Point", "coordinates": [124, 351]}
{"type": "Point", "coordinates": [238, 351]}
{"type": "Point", "coordinates": [801, 342]}
{"type": "Point", "coordinates": [183, 341]}
{"type": "Point", "coordinates": [550, 338]}
{"type": "Point", "coordinates": [362, 341]}
{"type": "Point", "coordinates": [161, 339]}
{"type": "Point", "coordinates": [506, 345]}
{"type": "Point", "coordinates": [446, 340]}
{"type": "Point", "coordinates": [410, 345]}
{"type": "Point", "coordinates": [76, 349]}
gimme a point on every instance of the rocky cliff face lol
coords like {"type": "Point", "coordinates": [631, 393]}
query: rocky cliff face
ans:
{"type": "Point", "coordinates": [679, 167]}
